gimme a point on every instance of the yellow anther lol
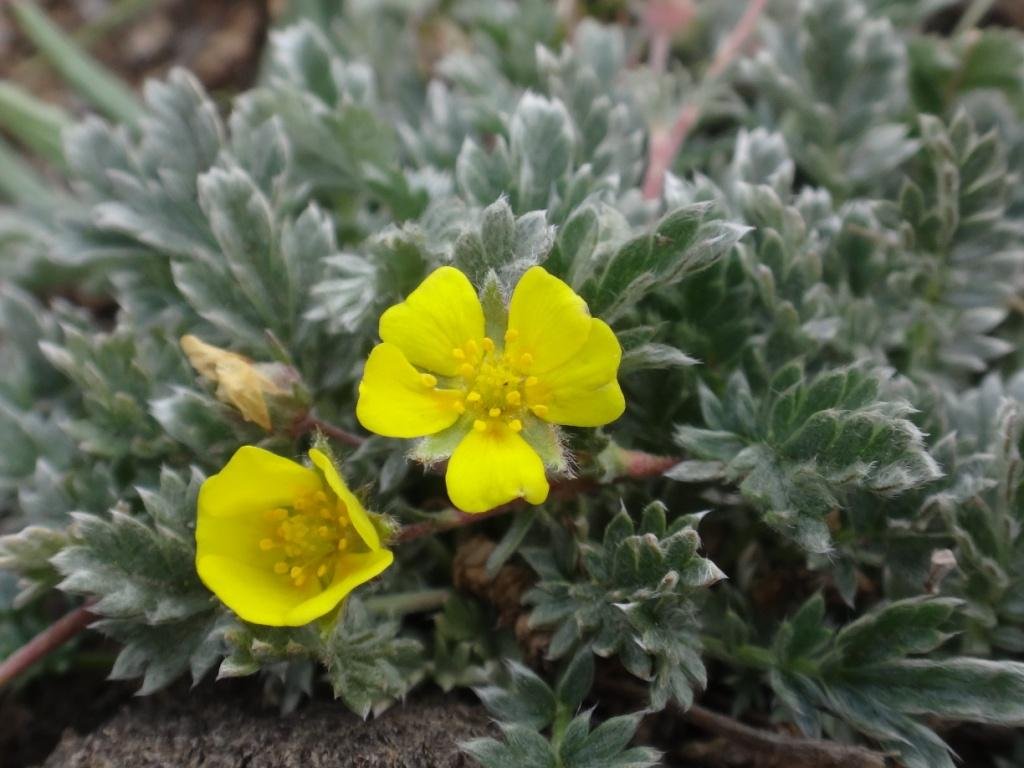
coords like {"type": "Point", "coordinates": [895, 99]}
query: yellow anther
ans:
{"type": "Point", "coordinates": [531, 381]}
{"type": "Point", "coordinates": [459, 406]}
{"type": "Point", "coordinates": [488, 345]}
{"type": "Point", "coordinates": [473, 397]}
{"type": "Point", "coordinates": [343, 521]}
{"type": "Point", "coordinates": [466, 369]}
{"type": "Point", "coordinates": [321, 571]}
{"type": "Point", "coordinates": [280, 567]}
{"type": "Point", "coordinates": [526, 359]}
{"type": "Point", "coordinates": [298, 582]}
{"type": "Point", "coordinates": [459, 353]}
{"type": "Point", "coordinates": [428, 380]}
{"type": "Point", "coordinates": [342, 545]}
{"type": "Point", "coordinates": [494, 413]}
{"type": "Point", "coordinates": [323, 531]}
{"type": "Point", "coordinates": [320, 497]}
{"type": "Point", "coordinates": [295, 572]}
{"type": "Point", "coordinates": [511, 335]}
{"type": "Point", "coordinates": [513, 397]}
{"type": "Point", "coordinates": [516, 425]}
{"type": "Point", "coordinates": [266, 544]}
{"type": "Point", "coordinates": [540, 410]}
{"type": "Point", "coordinates": [276, 515]}
{"type": "Point", "coordinates": [479, 425]}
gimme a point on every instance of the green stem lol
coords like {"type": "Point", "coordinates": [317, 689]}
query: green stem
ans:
{"type": "Point", "coordinates": [19, 182]}
{"type": "Point", "coordinates": [562, 718]}
{"type": "Point", "coordinates": [87, 76]}
{"type": "Point", "coordinates": [750, 656]}
{"type": "Point", "coordinates": [35, 123]}
{"type": "Point", "coordinates": [409, 602]}
{"type": "Point", "coordinates": [755, 657]}
{"type": "Point", "coordinates": [89, 34]}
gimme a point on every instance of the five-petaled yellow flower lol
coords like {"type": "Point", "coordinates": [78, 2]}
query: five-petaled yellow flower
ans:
{"type": "Point", "coordinates": [283, 544]}
{"type": "Point", "coordinates": [438, 370]}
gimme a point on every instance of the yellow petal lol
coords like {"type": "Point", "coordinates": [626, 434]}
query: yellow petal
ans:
{"type": "Point", "coordinates": [493, 466]}
{"type": "Point", "coordinates": [253, 481]}
{"type": "Point", "coordinates": [547, 322]}
{"type": "Point", "coordinates": [583, 391]}
{"type": "Point", "coordinates": [250, 588]}
{"type": "Point", "coordinates": [232, 526]}
{"type": "Point", "coordinates": [356, 514]}
{"type": "Point", "coordinates": [442, 314]}
{"type": "Point", "coordinates": [394, 401]}
{"type": "Point", "coordinates": [352, 571]}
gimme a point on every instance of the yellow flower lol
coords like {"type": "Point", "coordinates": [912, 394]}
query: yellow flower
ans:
{"type": "Point", "coordinates": [282, 544]}
{"type": "Point", "coordinates": [437, 371]}
{"type": "Point", "coordinates": [239, 382]}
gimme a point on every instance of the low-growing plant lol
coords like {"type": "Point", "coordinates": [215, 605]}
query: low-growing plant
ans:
{"type": "Point", "coordinates": [704, 320]}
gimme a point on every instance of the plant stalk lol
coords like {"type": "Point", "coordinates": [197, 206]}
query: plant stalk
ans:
{"type": "Point", "coordinates": [45, 643]}
{"type": "Point", "coordinates": [665, 145]}
{"type": "Point", "coordinates": [409, 602]}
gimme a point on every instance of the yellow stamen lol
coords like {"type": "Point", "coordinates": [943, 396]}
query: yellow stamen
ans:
{"type": "Point", "coordinates": [295, 572]}
{"type": "Point", "coordinates": [321, 571]}
{"type": "Point", "coordinates": [459, 406]}
{"type": "Point", "coordinates": [466, 369]}
{"type": "Point", "coordinates": [472, 346]}
{"type": "Point", "coordinates": [280, 567]}
{"type": "Point", "coordinates": [540, 410]}
{"type": "Point", "coordinates": [526, 359]}
{"type": "Point", "coordinates": [513, 397]}
{"type": "Point", "coordinates": [473, 397]}
{"type": "Point", "coordinates": [342, 545]}
{"type": "Point", "coordinates": [531, 381]}
{"type": "Point", "coordinates": [511, 335]}
{"type": "Point", "coordinates": [488, 345]}
{"type": "Point", "coordinates": [479, 425]}
{"type": "Point", "coordinates": [428, 380]}
{"type": "Point", "coordinates": [323, 531]}
{"type": "Point", "coordinates": [458, 353]}
{"type": "Point", "coordinates": [266, 544]}
{"type": "Point", "coordinates": [516, 425]}
{"type": "Point", "coordinates": [494, 413]}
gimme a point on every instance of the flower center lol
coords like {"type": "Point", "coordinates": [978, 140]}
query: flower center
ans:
{"type": "Point", "coordinates": [496, 385]}
{"type": "Point", "coordinates": [309, 537]}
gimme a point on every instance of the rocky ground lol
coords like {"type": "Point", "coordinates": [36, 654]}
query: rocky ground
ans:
{"type": "Point", "coordinates": [223, 727]}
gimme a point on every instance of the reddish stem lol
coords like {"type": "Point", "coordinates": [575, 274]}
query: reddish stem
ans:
{"type": "Point", "coordinates": [45, 643]}
{"type": "Point", "coordinates": [636, 465]}
{"type": "Point", "coordinates": [309, 423]}
{"type": "Point", "coordinates": [665, 145]}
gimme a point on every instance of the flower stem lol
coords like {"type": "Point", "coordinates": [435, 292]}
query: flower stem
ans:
{"type": "Point", "coordinates": [633, 465]}
{"type": "Point", "coordinates": [665, 145]}
{"type": "Point", "coordinates": [409, 602]}
{"type": "Point", "coordinates": [45, 643]}
{"type": "Point", "coordinates": [310, 423]}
